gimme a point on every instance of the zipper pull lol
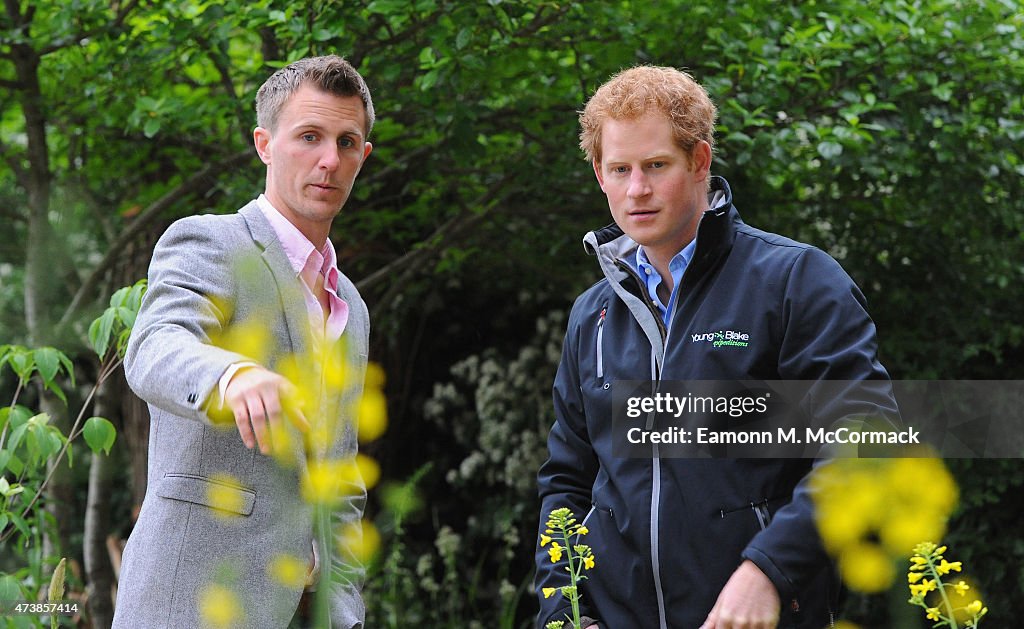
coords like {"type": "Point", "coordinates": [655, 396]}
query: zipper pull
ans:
{"type": "Point", "coordinates": [600, 343]}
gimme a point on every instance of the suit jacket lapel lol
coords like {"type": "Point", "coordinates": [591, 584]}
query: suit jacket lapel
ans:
{"type": "Point", "coordinates": [285, 281]}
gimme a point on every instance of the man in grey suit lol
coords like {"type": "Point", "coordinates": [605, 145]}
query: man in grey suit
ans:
{"type": "Point", "coordinates": [250, 349]}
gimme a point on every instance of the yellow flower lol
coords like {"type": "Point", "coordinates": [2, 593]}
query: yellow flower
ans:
{"type": "Point", "coordinates": [961, 588]}
{"type": "Point", "coordinates": [219, 607]}
{"type": "Point", "coordinates": [974, 608]}
{"type": "Point", "coordinates": [372, 414]}
{"type": "Point", "coordinates": [945, 567]}
{"type": "Point", "coordinates": [369, 470]}
{"type": "Point", "coordinates": [361, 538]}
{"type": "Point", "coordinates": [322, 485]}
{"type": "Point", "coordinates": [549, 592]}
{"type": "Point", "coordinates": [544, 539]}
{"type": "Point", "coordinates": [927, 585]}
{"type": "Point", "coordinates": [588, 562]}
{"type": "Point", "coordinates": [288, 570]}
{"type": "Point", "coordinates": [933, 613]}
{"type": "Point", "coordinates": [583, 531]}
{"type": "Point", "coordinates": [225, 496]}
{"type": "Point", "coordinates": [914, 577]}
{"type": "Point", "coordinates": [866, 568]}
{"type": "Point", "coordinates": [555, 551]}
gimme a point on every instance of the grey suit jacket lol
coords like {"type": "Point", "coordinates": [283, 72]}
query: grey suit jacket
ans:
{"type": "Point", "coordinates": [217, 516]}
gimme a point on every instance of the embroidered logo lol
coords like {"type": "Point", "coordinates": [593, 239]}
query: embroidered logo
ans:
{"type": "Point", "coordinates": [722, 338]}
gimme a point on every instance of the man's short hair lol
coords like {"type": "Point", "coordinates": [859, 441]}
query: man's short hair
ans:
{"type": "Point", "coordinates": [330, 74]}
{"type": "Point", "coordinates": [633, 93]}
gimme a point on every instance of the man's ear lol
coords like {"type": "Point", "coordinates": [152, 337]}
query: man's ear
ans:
{"type": "Point", "coordinates": [261, 138]}
{"type": "Point", "coordinates": [598, 173]}
{"type": "Point", "coordinates": [700, 159]}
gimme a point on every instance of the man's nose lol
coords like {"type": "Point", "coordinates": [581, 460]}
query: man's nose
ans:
{"type": "Point", "coordinates": [329, 159]}
{"type": "Point", "coordinates": [639, 186]}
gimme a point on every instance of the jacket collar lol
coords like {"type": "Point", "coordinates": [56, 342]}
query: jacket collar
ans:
{"type": "Point", "coordinates": [715, 235]}
{"type": "Point", "coordinates": [289, 290]}
{"type": "Point", "coordinates": [715, 225]}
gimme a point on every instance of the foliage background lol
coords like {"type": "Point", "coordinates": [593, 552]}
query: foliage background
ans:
{"type": "Point", "coordinates": [886, 133]}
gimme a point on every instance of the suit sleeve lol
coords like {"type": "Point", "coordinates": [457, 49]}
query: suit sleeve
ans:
{"type": "Point", "coordinates": [828, 338]}
{"type": "Point", "coordinates": [567, 477]}
{"type": "Point", "coordinates": [171, 359]}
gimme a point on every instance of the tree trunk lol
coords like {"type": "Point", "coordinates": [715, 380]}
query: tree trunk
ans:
{"type": "Point", "coordinates": [99, 572]}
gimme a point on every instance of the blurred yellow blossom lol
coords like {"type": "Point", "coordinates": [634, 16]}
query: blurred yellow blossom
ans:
{"type": "Point", "coordinates": [588, 562]}
{"type": "Point", "coordinates": [894, 502]}
{"type": "Point", "coordinates": [544, 539]}
{"type": "Point", "coordinates": [361, 539]}
{"type": "Point", "coordinates": [225, 496]}
{"type": "Point", "coordinates": [288, 570]}
{"type": "Point", "coordinates": [865, 567]}
{"type": "Point", "coordinates": [322, 482]}
{"type": "Point", "coordinates": [219, 607]}
{"type": "Point", "coordinates": [368, 469]}
{"type": "Point", "coordinates": [372, 413]}
{"type": "Point", "coordinates": [549, 592]}
{"type": "Point", "coordinates": [961, 588]}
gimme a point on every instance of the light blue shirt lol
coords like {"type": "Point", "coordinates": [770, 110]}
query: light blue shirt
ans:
{"type": "Point", "coordinates": [676, 266]}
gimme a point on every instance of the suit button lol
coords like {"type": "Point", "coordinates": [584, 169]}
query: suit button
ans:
{"type": "Point", "coordinates": [191, 398]}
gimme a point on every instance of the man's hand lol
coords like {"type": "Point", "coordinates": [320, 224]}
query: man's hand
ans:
{"type": "Point", "coordinates": [748, 601]}
{"type": "Point", "coordinates": [257, 398]}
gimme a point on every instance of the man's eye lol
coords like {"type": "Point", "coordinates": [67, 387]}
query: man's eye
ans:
{"type": "Point", "coordinates": [346, 143]}
{"type": "Point", "coordinates": [657, 164]}
{"type": "Point", "coordinates": [619, 169]}
{"type": "Point", "coordinates": [308, 137]}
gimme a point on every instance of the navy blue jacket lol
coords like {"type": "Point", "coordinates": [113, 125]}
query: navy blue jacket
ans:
{"type": "Point", "coordinates": [668, 533]}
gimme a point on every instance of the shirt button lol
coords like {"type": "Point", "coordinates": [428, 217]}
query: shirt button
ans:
{"type": "Point", "coordinates": [647, 270]}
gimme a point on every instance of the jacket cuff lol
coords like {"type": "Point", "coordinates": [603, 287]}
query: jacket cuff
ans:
{"type": "Point", "coordinates": [782, 584]}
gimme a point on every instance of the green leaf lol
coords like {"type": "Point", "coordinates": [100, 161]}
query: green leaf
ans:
{"type": "Point", "coordinates": [119, 296]}
{"type": "Point", "coordinates": [47, 362]}
{"type": "Point", "coordinates": [99, 332]}
{"type": "Point", "coordinates": [16, 435]}
{"type": "Point", "coordinates": [151, 128]}
{"type": "Point", "coordinates": [15, 464]}
{"type": "Point", "coordinates": [830, 150]}
{"type": "Point", "coordinates": [22, 363]}
{"type": "Point", "coordinates": [53, 386]}
{"type": "Point", "coordinates": [21, 524]}
{"type": "Point", "coordinates": [10, 589]}
{"type": "Point", "coordinates": [126, 316]}
{"type": "Point", "coordinates": [100, 434]}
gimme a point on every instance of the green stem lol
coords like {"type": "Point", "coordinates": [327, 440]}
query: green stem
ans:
{"type": "Point", "coordinates": [574, 599]}
{"type": "Point", "coordinates": [105, 370]}
{"type": "Point", "coordinates": [942, 590]}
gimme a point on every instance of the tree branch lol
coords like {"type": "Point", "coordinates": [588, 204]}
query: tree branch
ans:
{"type": "Point", "coordinates": [187, 187]}
{"type": "Point", "coordinates": [417, 257]}
{"type": "Point", "coordinates": [107, 27]}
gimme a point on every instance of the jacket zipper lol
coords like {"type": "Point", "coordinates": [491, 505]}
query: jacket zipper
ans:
{"type": "Point", "coordinates": [600, 344]}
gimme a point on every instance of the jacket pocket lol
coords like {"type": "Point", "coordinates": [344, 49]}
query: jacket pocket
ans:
{"type": "Point", "coordinates": [208, 492]}
{"type": "Point", "coordinates": [762, 510]}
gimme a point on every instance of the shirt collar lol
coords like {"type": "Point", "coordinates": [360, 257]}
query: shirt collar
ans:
{"type": "Point", "coordinates": [303, 257]}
